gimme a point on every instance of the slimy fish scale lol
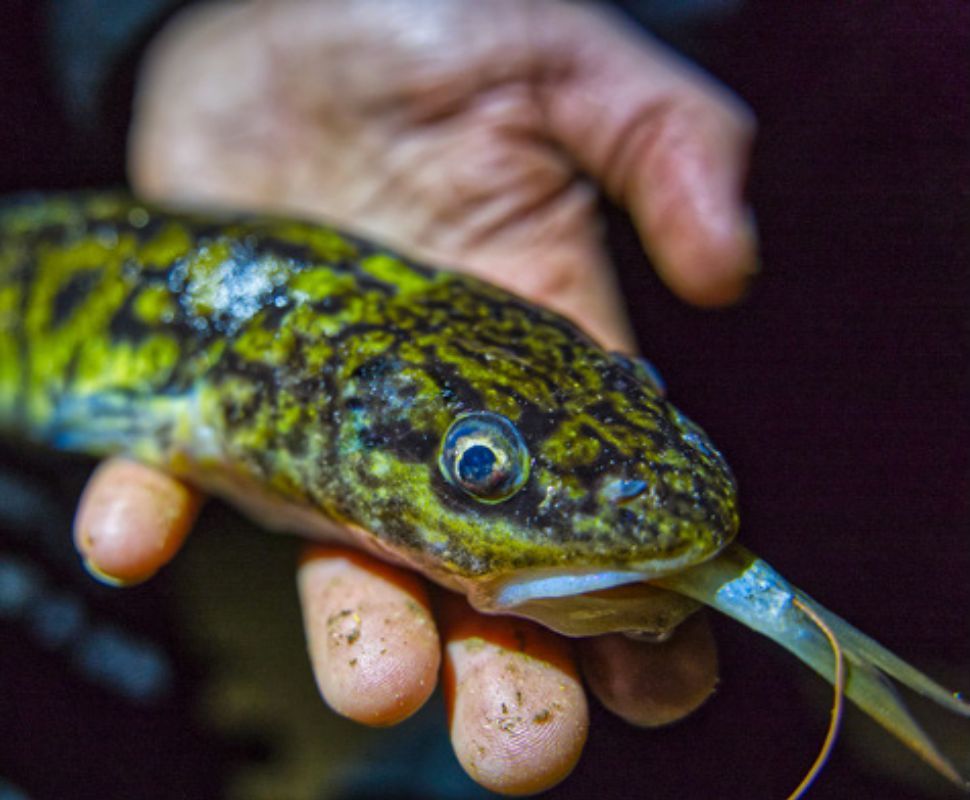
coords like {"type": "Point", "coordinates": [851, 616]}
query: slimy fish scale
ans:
{"type": "Point", "coordinates": [331, 387]}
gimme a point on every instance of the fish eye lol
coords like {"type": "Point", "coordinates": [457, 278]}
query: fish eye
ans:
{"type": "Point", "coordinates": [485, 456]}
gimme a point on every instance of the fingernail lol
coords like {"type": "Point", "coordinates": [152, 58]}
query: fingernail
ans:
{"type": "Point", "coordinates": [110, 580]}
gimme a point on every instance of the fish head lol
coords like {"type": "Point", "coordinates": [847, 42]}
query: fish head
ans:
{"type": "Point", "coordinates": [512, 457]}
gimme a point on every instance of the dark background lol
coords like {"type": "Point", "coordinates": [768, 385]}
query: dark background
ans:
{"type": "Point", "coordinates": [839, 391]}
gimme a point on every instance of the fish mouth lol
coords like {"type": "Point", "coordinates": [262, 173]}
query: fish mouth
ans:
{"type": "Point", "coordinates": [521, 588]}
{"type": "Point", "coordinates": [505, 593]}
{"type": "Point", "coordinates": [590, 601]}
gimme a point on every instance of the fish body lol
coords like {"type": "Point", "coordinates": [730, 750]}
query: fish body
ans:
{"type": "Point", "coordinates": [290, 361]}
{"type": "Point", "coordinates": [334, 388]}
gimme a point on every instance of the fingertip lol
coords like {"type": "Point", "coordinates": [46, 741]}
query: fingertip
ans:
{"type": "Point", "coordinates": [373, 643]}
{"type": "Point", "coordinates": [706, 259]}
{"type": "Point", "coordinates": [131, 521]}
{"type": "Point", "coordinates": [517, 710]}
{"type": "Point", "coordinates": [653, 684]}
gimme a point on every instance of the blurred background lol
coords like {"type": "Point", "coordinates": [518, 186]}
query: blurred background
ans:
{"type": "Point", "coordinates": [839, 390]}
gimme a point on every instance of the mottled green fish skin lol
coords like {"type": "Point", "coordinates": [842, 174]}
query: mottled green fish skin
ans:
{"type": "Point", "coordinates": [294, 356]}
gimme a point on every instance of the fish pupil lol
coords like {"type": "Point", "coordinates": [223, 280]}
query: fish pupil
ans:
{"type": "Point", "coordinates": [476, 464]}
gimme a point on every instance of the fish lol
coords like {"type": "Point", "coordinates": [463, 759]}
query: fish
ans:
{"type": "Point", "coordinates": [330, 387]}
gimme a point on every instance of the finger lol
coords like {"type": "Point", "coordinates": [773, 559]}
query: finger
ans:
{"type": "Point", "coordinates": [131, 521]}
{"type": "Point", "coordinates": [373, 644]}
{"type": "Point", "coordinates": [652, 684]}
{"type": "Point", "coordinates": [685, 192]}
{"type": "Point", "coordinates": [517, 711]}
{"type": "Point", "coordinates": [665, 140]}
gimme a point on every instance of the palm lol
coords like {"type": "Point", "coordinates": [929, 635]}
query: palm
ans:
{"type": "Point", "coordinates": [458, 131]}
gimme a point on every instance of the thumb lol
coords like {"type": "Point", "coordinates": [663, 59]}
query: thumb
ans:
{"type": "Point", "coordinates": [664, 139]}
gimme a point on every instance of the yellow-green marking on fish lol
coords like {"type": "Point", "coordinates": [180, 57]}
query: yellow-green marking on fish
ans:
{"type": "Point", "coordinates": [315, 378]}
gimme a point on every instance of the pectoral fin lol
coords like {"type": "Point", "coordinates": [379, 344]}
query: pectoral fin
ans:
{"type": "Point", "coordinates": [107, 423]}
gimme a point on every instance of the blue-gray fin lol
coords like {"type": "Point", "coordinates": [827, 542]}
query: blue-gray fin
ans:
{"type": "Point", "coordinates": [109, 423]}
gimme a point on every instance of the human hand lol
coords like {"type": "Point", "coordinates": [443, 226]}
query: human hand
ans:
{"type": "Point", "coordinates": [463, 133]}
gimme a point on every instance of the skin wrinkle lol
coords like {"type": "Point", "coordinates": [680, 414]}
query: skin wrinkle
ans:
{"type": "Point", "coordinates": [549, 193]}
{"type": "Point", "coordinates": [483, 176]}
{"type": "Point", "coordinates": [680, 161]}
{"type": "Point", "coordinates": [642, 137]}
